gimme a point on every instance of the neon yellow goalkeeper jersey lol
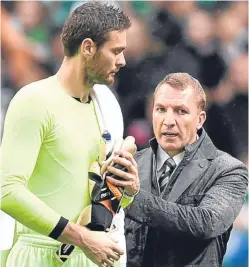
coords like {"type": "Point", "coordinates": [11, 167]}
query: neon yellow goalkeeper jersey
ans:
{"type": "Point", "coordinates": [49, 142]}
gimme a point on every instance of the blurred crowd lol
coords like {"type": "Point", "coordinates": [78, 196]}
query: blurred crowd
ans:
{"type": "Point", "coordinates": [207, 39]}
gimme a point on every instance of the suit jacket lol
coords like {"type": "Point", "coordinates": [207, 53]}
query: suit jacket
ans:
{"type": "Point", "coordinates": [190, 223]}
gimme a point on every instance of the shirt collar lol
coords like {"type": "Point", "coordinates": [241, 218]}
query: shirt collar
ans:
{"type": "Point", "coordinates": [199, 137]}
{"type": "Point", "coordinates": [162, 156]}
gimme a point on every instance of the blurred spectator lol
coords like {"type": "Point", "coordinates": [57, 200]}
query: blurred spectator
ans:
{"type": "Point", "coordinates": [237, 108]}
{"type": "Point", "coordinates": [19, 54]}
{"type": "Point", "coordinates": [57, 52]}
{"type": "Point", "coordinates": [199, 50]}
{"type": "Point", "coordinates": [232, 31]}
{"type": "Point", "coordinates": [19, 61]}
{"type": "Point", "coordinates": [216, 125]}
{"type": "Point", "coordinates": [29, 18]}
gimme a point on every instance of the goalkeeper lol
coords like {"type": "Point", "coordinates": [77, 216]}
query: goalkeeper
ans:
{"type": "Point", "coordinates": [52, 135]}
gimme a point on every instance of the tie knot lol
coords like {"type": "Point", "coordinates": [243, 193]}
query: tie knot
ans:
{"type": "Point", "coordinates": [170, 163]}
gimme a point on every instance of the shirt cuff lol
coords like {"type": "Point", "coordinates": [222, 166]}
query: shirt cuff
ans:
{"type": "Point", "coordinates": [60, 226]}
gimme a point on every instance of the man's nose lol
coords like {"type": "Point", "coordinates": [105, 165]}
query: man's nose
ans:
{"type": "Point", "coordinates": [169, 119]}
{"type": "Point", "coordinates": [121, 60]}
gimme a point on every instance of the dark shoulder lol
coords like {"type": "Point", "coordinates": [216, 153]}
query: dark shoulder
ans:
{"type": "Point", "coordinates": [226, 162]}
{"type": "Point", "coordinates": [142, 153]}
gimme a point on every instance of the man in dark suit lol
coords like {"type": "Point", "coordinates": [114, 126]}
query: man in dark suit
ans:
{"type": "Point", "coordinates": [191, 192]}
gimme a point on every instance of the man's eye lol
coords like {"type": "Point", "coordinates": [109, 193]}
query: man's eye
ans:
{"type": "Point", "coordinates": [182, 111]}
{"type": "Point", "coordinates": [160, 109]}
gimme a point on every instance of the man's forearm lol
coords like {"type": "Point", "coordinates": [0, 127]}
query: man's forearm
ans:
{"type": "Point", "coordinates": [25, 207]}
{"type": "Point", "coordinates": [214, 215]}
{"type": "Point", "coordinates": [73, 234]}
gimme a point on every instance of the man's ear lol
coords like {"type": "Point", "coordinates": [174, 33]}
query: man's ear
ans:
{"type": "Point", "coordinates": [88, 48]}
{"type": "Point", "coordinates": [202, 118]}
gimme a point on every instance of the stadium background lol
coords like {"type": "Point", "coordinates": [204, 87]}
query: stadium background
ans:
{"type": "Point", "coordinates": [208, 39]}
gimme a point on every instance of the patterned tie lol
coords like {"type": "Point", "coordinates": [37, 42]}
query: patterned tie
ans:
{"type": "Point", "coordinates": [164, 178]}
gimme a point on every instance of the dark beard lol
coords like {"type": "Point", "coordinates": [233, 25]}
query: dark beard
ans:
{"type": "Point", "coordinates": [93, 76]}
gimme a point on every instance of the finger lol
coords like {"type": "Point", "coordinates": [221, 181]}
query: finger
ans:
{"type": "Point", "coordinates": [118, 182]}
{"type": "Point", "coordinates": [104, 264]}
{"type": "Point", "coordinates": [122, 161]}
{"type": "Point", "coordinates": [114, 256]}
{"type": "Point", "coordinates": [128, 156]}
{"type": "Point", "coordinates": [117, 250]}
{"type": "Point", "coordinates": [120, 173]}
{"type": "Point", "coordinates": [126, 163]}
{"type": "Point", "coordinates": [117, 146]}
{"type": "Point", "coordinates": [109, 262]}
{"type": "Point", "coordinates": [129, 176]}
{"type": "Point", "coordinates": [127, 160]}
{"type": "Point", "coordinates": [134, 162]}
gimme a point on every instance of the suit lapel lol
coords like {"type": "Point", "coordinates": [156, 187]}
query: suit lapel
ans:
{"type": "Point", "coordinates": [188, 175]}
{"type": "Point", "coordinates": [193, 167]}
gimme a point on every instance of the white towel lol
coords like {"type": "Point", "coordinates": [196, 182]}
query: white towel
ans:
{"type": "Point", "coordinates": [108, 112]}
{"type": "Point", "coordinates": [111, 119]}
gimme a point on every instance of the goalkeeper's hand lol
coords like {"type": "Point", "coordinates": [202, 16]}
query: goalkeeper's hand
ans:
{"type": "Point", "coordinates": [116, 148]}
{"type": "Point", "coordinates": [130, 182]}
{"type": "Point", "coordinates": [127, 144]}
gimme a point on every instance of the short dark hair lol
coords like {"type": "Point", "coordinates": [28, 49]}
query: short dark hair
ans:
{"type": "Point", "coordinates": [92, 20]}
{"type": "Point", "coordinates": [182, 80]}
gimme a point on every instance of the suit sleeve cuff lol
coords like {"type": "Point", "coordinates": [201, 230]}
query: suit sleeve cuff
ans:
{"type": "Point", "coordinates": [138, 209]}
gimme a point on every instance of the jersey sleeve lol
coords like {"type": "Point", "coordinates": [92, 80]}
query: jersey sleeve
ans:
{"type": "Point", "coordinates": [27, 124]}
